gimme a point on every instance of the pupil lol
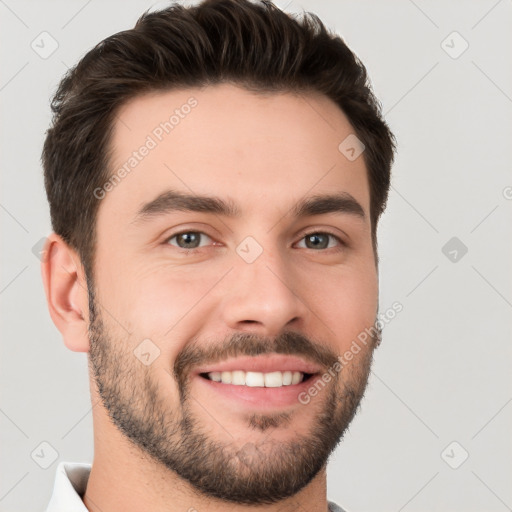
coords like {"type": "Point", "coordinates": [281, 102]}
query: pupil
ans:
{"type": "Point", "coordinates": [314, 239]}
{"type": "Point", "coordinates": [190, 240]}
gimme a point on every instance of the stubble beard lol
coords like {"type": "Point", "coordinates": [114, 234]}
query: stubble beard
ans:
{"type": "Point", "coordinates": [262, 472]}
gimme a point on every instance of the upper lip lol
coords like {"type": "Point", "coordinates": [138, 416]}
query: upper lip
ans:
{"type": "Point", "coordinates": [265, 364]}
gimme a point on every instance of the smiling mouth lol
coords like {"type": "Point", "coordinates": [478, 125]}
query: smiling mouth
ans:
{"type": "Point", "coordinates": [275, 379]}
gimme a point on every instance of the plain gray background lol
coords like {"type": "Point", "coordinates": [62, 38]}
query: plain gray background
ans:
{"type": "Point", "coordinates": [442, 373]}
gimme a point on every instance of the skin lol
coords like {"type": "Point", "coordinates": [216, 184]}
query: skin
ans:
{"type": "Point", "coordinates": [265, 153]}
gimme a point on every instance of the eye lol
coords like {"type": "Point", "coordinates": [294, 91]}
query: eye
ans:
{"type": "Point", "coordinates": [188, 239]}
{"type": "Point", "coordinates": [317, 240]}
{"type": "Point", "coordinates": [321, 240]}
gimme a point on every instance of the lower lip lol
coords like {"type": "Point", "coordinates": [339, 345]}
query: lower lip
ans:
{"type": "Point", "coordinates": [263, 398]}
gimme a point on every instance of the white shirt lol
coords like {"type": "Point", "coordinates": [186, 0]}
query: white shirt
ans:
{"type": "Point", "coordinates": [70, 484]}
{"type": "Point", "coordinates": [69, 487]}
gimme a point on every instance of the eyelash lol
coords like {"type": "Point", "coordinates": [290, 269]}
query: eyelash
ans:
{"type": "Point", "coordinates": [341, 246]}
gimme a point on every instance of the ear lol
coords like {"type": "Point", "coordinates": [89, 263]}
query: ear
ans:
{"type": "Point", "coordinates": [66, 292]}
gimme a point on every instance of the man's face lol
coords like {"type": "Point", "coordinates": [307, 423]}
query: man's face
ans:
{"type": "Point", "coordinates": [181, 292]}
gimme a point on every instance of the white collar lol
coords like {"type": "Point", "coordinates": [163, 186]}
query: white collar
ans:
{"type": "Point", "coordinates": [70, 484]}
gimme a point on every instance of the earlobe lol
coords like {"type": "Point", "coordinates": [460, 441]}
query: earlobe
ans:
{"type": "Point", "coordinates": [66, 292]}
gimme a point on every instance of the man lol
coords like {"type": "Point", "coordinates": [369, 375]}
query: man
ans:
{"type": "Point", "coordinates": [215, 177]}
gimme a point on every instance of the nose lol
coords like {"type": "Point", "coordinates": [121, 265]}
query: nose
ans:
{"type": "Point", "coordinates": [263, 297]}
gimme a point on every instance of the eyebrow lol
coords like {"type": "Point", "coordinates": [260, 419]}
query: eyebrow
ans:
{"type": "Point", "coordinates": [172, 201]}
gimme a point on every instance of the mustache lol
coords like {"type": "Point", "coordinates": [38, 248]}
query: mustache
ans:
{"type": "Point", "coordinates": [249, 344]}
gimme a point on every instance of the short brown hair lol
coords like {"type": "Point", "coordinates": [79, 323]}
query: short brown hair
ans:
{"type": "Point", "coordinates": [254, 45]}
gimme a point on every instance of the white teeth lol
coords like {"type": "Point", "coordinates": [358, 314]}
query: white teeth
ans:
{"type": "Point", "coordinates": [254, 379]}
{"type": "Point", "coordinates": [257, 379]}
{"type": "Point", "coordinates": [287, 378]}
{"type": "Point", "coordinates": [226, 377]}
{"type": "Point", "coordinates": [238, 378]}
{"type": "Point", "coordinates": [296, 377]}
{"type": "Point", "coordinates": [216, 376]}
{"type": "Point", "coordinates": [273, 380]}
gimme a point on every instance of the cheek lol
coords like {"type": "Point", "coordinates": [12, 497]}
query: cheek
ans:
{"type": "Point", "coordinates": [346, 302]}
{"type": "Point", "coordinates": [162, 304]}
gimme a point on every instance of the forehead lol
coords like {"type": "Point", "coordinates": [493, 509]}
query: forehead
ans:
{"type": "Point", "coordinates": [225, 141]}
